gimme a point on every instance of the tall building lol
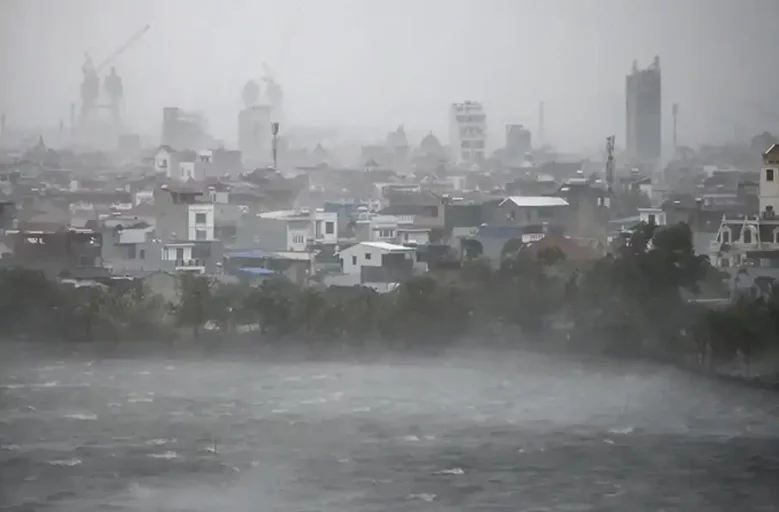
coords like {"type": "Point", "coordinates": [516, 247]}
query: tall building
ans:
{"type": "Point", "coordinates": [183, 130]}
{"type": "Point", "coordinates": [643, 92]}
{"type": "Point", "coordinates": [518, 140]}
{"type": "Point", "coordinates": [254, 134]}
{"type": "Point", "coordinates": [467, 132]}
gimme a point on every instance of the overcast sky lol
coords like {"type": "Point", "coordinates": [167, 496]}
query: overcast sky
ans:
{"type": "Point", "coordinates": [387, 62]}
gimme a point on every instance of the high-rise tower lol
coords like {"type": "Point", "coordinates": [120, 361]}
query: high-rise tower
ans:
{"type": "Point", "coordinates": [643, 91]}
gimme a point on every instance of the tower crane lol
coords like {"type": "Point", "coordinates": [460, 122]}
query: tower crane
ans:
{"type": "Point", "coordinates": [90, 87]}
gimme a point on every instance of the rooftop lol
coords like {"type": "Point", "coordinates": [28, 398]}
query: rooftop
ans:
{"type": "Point", "coordinates": [535, 201]}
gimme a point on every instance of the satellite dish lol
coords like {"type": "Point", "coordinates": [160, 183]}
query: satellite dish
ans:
{"type": "Point", "coordinates": [251, 93]}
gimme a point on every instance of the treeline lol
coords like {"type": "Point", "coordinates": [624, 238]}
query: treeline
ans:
{"type": "Point", "coordinates": [637, 301]}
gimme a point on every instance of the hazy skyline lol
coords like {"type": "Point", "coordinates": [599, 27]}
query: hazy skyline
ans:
{"type": "Point", "coordinates": [380, 63]}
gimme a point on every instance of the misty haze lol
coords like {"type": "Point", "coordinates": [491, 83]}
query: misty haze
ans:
{"type": "Point", "coordinates": [361, 255]}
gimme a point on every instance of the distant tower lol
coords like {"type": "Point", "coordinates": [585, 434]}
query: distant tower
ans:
{"type": "Point", "coordinates": [644, 112]}
{"type": "Point", "coordinates": [675, 113]}
{"type": "Point", "coordinates": [2, 123]}
{"type": "Point", "coordinates": [115, 91]}
{"type": "Point", "coordinates": [250, 93]}
{"type": "Point", "coordinates": [541, 135]}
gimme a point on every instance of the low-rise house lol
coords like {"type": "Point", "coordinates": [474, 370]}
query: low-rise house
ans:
{"type": "Point", "coordinates": [523, 211]}
{"type": "Point", "coordinates": [55, 249]}
{"type": "Point", "coordinates": [753, 240]}
{"type": "Point", "coordinates": [288, 230]}
{"type": "Point", "coordinates": [379, 265]}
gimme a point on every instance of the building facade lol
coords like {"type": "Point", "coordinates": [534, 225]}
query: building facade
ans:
{"type": "Point", "coordinates": [644, 112]}
{"type": "Point", "coordinates": [467, 132]}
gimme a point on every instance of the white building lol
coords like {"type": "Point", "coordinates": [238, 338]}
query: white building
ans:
{"type": "Point", "coordinates": [467, 132]}
{"type": "Point", "coordinates": [753, 240]}
{"type": "Point", "coordinates": [379, 265]}
{"type": "Point", "coordinates": [289, 230]}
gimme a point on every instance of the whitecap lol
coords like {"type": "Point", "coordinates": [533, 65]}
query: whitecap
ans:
{"type": "Point", "coordinates": [279, 411]}
{"type": "Point", "coordinates": [160, 442]}
{"type": "Point", "coordinates": [81, 417]}
{"type": "Point", "coordinates": [424, 496]}
{"type": "Point", "coordinates": [50, 368]}
{"type": "Point", "coordinates": [12, 386]}
{"type": "Point", "coordinates": [50, 384]}
{"type": "Point", "coordinates": [361, 409]}
{"type": "Point", "coordinates": [114, 404]}
{"type": "Point", "coordinates": [622, 430]}
{"type": "Point", "coordinates": [170, 368]}
{"type": "Point", "coordinates": [313, 401]}
{"type": "Point", "coordinates": [322, 376]}
{"type": "Point", "coordinates": [145, 373]}
{"type": "Point", "coordinates": [10, 447]}
{"type": "Point", "coordinates": [608, 441]}
{"type": "Point", "coordinates": [452, 471]}
{"type": "Point", "coordinates": [140, 400]}
{"type": "Point", "coordinates": [412, 439]}
{"type": "Point", "coordinates": [167, 455]}
{"type": "Point", "coordinates": [65, 463]}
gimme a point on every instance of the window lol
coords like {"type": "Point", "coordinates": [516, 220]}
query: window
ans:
{"type": "Point", "coordinates": [298, 239]}
{"type": "Point", "coordinates": [545, 213]}
{"type": "Point", "coordinates": [386, 233]}
{"type": "Point", "coordinates": [431, 211]}
{"type": "Point", "coordinates": [651, 218]}
{"type": "Point", "coordinates": [329, 227]}
{"type": "Point", "coordinates": [367, 256]}
{"type": "Point", "coordinates": [142, 254]}
{"type": "Point", "coordinates": [200, 218]}
{"type": "Point", "coordinates": [769, 175]}
{"type": "Point", "coordinates": [179, 253]}
{"type": "Point", "coordinates": [131, 252]}
{"type": "Point", "coordinates": [746, 236]}
{"type": "Point", "coordinates": [201, 234]}
{"type": "Point", "coordinates": [354, 260]}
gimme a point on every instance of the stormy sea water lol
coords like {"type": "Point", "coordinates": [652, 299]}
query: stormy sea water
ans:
{"type": "Point", "coordinates": [525, 432]}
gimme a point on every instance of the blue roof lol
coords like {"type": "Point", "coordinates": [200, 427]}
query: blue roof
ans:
{"type": "Point", "coordinates": [257, 271]}
{"type": "Point", "coordinates": [253, 253]}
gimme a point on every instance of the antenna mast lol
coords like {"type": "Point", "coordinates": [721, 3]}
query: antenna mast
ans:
{"type": "Point", "coordinates": [610, 163]}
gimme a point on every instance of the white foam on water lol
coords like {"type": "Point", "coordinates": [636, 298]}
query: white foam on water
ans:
{"type": "Point", "coordinates": [169, 455]}
{"type": "Point", "coordinates": [64, 463]}
{"type": "Point", "coordinates": [160, 442]}
{"type": "Point", "coordinates": [452, 471]}
{"type": "Point", "coordinates": [81, 416]}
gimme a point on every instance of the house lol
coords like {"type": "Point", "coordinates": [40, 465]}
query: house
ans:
{"type": "Point", "coordinates": [588, 214]}
{"type": "Point", "coordinates": [426, 208]}
{"type": "Point", "coordinates": [55, 249]}
{"type": "Point", "coordinates": [166, 161]}
{"type": "Point", "coordinates": [288, 230]}
{"type": "Point", "coordinates": [529, 211]}
{"type": "Point", "coordinates": [753, 240]}
{"type": "Point", "coordinates": [379, 265]}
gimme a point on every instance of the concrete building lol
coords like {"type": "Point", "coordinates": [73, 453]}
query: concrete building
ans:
{"type": "Point", "coordinates": [288, 230]}
{"type": "Point", "coordinates": [518, 141]}
{"type": "Point", "coordinates": [644, 112]}
{"type": "Point", "coordinates": [183, 130]}
{"type": "Point", "coordinates": [379, 265]}
{"type": "Point", "coordinates": [467, 132]}
{"type": "Point", "coordinates": [254, 134]}
{"type": "Point", "coordinates": [753, 240]}
{"type": "Point", "coordinates": [525, 211]}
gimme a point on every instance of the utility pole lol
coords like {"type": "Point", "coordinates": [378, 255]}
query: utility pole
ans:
{"type": "Point", "coordinates": [610, 163]}
{"type": "Point", "coordinates": [274, 129]}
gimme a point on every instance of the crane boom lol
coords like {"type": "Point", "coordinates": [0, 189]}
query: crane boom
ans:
{"type": "Point", "coordinates": [120, 50]}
